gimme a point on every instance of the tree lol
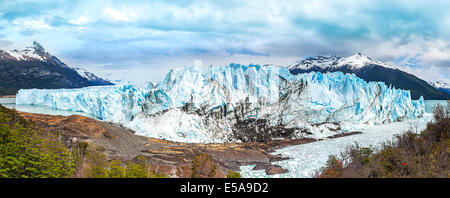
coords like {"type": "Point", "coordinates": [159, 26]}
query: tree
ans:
{"type": "Point", "coordinates": [26, 152]}
{"type": "Point", "coordinates": [97, 165]}
{"type": "Point", "coordinates": [137, 170]}
{"type": "Point", "coordinates": [79, 152]}
{"type": "Point", "coordinates": [203, 166]}
{"type": "Point", "coordinates": [116, 170]}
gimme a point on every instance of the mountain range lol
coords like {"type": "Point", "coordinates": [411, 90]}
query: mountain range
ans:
{"type": "Point", "coordinates": [33, 67]}
{"type": "Point", "coordinates": [370, 70]}
{"type": "Point", "coordinates": [443, 86]}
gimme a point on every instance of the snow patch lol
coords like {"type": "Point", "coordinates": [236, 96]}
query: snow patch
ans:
{"type": "Point", "coordinates": [355, 61]}
{"type": "Point", "coordinates": [29, 53]}
{"type": "Point", "coordinates": [440, 84]}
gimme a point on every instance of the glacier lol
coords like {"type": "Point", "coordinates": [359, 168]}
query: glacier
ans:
{"type": "Point", "coordinates": [109, 103]}
{"type": "Point", "coordinates": [237, 103]}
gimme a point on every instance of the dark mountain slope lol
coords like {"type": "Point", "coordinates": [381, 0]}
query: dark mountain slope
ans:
{"type": "Point", "coordinates": [370, 70]}
{"type": "Point", "coordinates": [32, 67]}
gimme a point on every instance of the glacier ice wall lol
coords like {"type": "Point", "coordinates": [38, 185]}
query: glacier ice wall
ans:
{"type": "Point", "coordinates": [216, 104]}
{"type": "Point", "coordinates": [110, 103]}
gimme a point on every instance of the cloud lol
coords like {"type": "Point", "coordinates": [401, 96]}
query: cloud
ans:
{"type": "Point", "coordinates": [57, 21]}
{"type": "Point", "coordinates": [117, 15]}
{"type": "Point", "coordinates": [34, 24]}
{"type": "Point", "coordinates": [244, 51]}
{"type": "Point", "coordinates": [82, 20]}
{"type": "Point", "coordinates": [154, 34]}
{"type": "Point", "coordinates": [12, 10]}
{"type": "Point", "coordinates": [4, 43]}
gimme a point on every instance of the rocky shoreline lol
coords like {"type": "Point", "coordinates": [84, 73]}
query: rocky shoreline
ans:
{"type": "Point", "coordinates": [7, 96]}
{"type": "Point", "coordinates": [170, 158]}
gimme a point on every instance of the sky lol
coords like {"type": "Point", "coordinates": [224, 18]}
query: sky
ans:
{"type": "Point", "coordinates": [142, 40]}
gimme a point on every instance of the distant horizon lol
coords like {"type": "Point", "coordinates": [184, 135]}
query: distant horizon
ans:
{"type": "Point", "coordinates": [198, 63]}
{"type": "Point", "coordinates": [141, 41]}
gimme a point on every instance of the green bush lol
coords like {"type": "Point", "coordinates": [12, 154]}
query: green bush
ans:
{"type": "Point", "coordinates": [26, 152]}
{"type": "Point", "coordinates": [97, 165]}
{"type": "Point", "coordinates": [116, 170]}
{"type": "Point", "coordinates": [134, 170]}
{"type": "Point", "coordinates": [233, 174]}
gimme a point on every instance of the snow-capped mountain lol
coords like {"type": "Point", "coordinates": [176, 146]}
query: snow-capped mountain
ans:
{"type": "Point", "coordinates": [355, 61]}
{"type": "Point", "coordinates": [317, 61]}
{"type": "Point", "coordinates": [441, 86]}
{"type": "Point", "coordinates": [92, 78]}
{"type": "Point", "coordinates": [369, 70]}
{"type": "Point", "coordinates": [238, 103]}
{"type": "Point", "coordinates": [35, 51]}
{"type": "Point", "coordinates": [33, 67]}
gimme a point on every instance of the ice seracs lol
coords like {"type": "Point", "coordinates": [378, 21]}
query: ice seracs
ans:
{"type": "Point", "coordinates": [238, 103]}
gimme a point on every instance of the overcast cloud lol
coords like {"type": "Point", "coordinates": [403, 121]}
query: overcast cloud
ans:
{"type": "Point", "coordinates": [142, 40]}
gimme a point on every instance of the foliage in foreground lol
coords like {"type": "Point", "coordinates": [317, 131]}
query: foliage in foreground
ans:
{"type": "Point", "coordinates": [26, 152]}
{"type": "Point", "coordinates": [98, 167]}
{"type": "Point", "coordinates": [411, 155]}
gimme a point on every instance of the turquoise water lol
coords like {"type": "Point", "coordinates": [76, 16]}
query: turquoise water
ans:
{"type": "Point", "coordinates": [7, 100]}
{"type": "Point", "coordinates": [430, 104]}
{"type": "Point", "coordinates": [43, 110]}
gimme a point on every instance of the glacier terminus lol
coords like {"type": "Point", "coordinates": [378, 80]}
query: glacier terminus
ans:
{"type": "Point", "coordinates": [237, 103]}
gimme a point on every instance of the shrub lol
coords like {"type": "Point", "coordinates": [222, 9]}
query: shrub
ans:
{"type": "Point", "coordinates": [233, 174]}
{"type": "Point", "coordinates": [97, 165]}
{"type": "Point", "coordinates": [116, 170]}
{"type": "Point", "coordinates": [203, 166]}
{"type": "Point", "coordinates": [79, 152]}
{"type": "Point", "coordinates": [136, 170]}
{"type": "Point", "coordinates": [333, 168]}
{"type": "Point", "coordinates": [410, 155]}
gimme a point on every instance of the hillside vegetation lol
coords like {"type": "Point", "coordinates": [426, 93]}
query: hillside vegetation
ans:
{"type": "Point", "coordinates": [412, 154]}
{"type": "Point", "coordinates": [27, 152]}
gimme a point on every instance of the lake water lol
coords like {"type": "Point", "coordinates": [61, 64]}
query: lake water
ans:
{"type": "Point", "coordinates": [7, 100]}
{"type": "Point", "coordinates": [430, 104]}
{"type": "Point", "coordinates": [10, 103]}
